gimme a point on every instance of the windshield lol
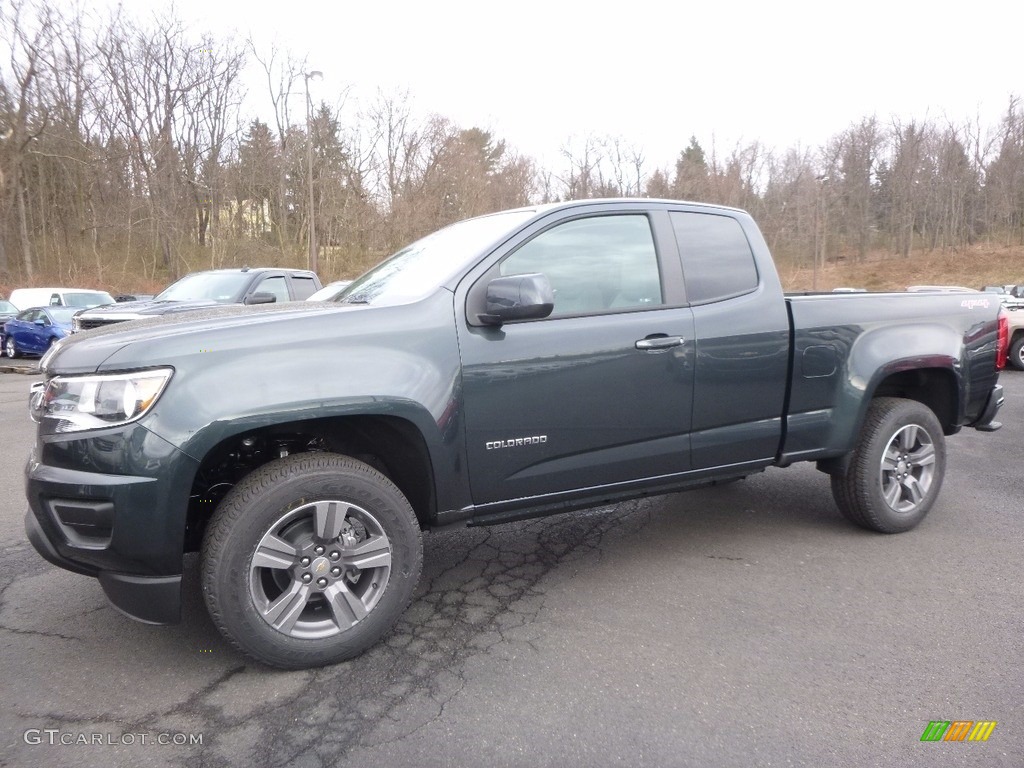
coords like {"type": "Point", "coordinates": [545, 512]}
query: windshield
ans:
{"type": "Point", "coordinates": [6, 306]}
{"type": "Point", "coordinates": [86, 299]}
{"type": "Point", "coordinates": [222, 287]}
{"type": "Point", "coordinates": [419, 268]}
{"type": "Point", "coordinates": [329, 292]}
{"type": "Point", "coordinates": [63, 315]}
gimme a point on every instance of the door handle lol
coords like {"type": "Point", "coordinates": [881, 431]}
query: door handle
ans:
{"type": "Point", "coordinates": [660, 342]}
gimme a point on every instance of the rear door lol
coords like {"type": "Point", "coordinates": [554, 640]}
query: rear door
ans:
{"type": "Point", "coordinates": [742, 327]}
{"type": "Point", "coordinates": [597, 394]}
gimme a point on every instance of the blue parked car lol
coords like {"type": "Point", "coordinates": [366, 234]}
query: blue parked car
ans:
{"type": "Point", "coordinates": [33, 331]}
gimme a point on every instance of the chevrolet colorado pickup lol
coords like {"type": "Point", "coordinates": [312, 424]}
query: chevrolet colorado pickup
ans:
{"type": "Point", "coordinates": [517, 364]}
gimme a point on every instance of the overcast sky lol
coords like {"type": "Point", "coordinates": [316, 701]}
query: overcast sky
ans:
{"type": "Point", "coordinates": [538, 72]}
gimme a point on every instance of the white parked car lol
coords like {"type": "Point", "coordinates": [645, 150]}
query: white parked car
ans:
{"type": "Point", "coordinates": [82, 298]}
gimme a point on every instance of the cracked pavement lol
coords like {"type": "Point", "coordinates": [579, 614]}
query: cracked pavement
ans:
{"type": "Point", "coordinates": [742, 625]}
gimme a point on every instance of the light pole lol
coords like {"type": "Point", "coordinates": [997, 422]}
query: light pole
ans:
{"type": "Point", "coordinates": [314, 75]}
{"type": "Point", "coordinates": [820, 227]}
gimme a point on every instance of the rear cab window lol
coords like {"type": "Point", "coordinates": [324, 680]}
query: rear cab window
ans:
{"type": "Point", "coordinates": [303, 287]}
{"type": "Point", "coordinates": [718, 262]}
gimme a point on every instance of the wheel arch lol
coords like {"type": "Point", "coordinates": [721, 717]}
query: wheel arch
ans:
{"type": "Point", "coordinates": [937, 388]}
{"type": "Point", "coordinates": [393, 445]}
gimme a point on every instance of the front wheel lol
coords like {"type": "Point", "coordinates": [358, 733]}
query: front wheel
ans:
{"type": "Point", "coordinates": [11, 348]}
{"type": "Point", "coordinates": [896, 469]}
{"type": "Point", "coordinates": [310, 560]}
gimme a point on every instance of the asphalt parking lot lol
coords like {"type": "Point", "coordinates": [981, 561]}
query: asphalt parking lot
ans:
{"type": "Point", "coordinates": [748, 625]}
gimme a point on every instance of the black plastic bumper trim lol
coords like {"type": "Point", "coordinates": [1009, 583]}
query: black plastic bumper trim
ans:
{"type": "Point", "coordinates": [47, 551]}
{"type": "Point", "coordinates": [149, 599]}
{"type": "Point", "coordinates": [85, 524]}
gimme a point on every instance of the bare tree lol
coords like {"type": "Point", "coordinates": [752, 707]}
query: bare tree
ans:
{"type": "Point", "coordinates": [1004, 177]}
{"type": "Point", "coordinates": [582, 178]}
{"type": "Point", "coordinates": [26, 118]}
{"type": "Point", "coordinates": [790, 205]}
{"type": "Point", "coordinates": [861, 144]}
{"type": "Point", "coordinates": [283, 72]}
{"type": "Point", "coordinates": [209, 115]}
{"type": "Point", "coordinates": [905, 208]}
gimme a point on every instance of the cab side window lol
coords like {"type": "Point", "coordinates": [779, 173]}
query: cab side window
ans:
{"type": "Point", "coordinates": [274, 285]}
{"type": "Point", "coordinates": [304, 287]}
{"type": "Point", "coordinates": [717, 260]}
{"type": "Point", "coordinates": [595, 264]}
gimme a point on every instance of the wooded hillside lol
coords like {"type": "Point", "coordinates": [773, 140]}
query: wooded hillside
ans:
{"type": "Point", "coordinates": [129, 156]}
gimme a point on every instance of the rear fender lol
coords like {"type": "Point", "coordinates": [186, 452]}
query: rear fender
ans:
{"type": "Point", "coordinates": [918, 361]}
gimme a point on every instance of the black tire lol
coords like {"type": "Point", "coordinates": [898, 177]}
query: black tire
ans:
{"type": "Point", "coordinates": [893, 495]}
{"type": "Point", "coordinates": [11, 348]}
{"type": "Point", "coordinates": [332, 591]}
{"type": "Point", "coordinates": [1017, 352]}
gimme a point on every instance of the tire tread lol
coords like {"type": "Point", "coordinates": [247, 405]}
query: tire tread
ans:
{"type": "Point", "coordinates": [854, 490]}
{"type": "Point", "coordinates": [238, 502]}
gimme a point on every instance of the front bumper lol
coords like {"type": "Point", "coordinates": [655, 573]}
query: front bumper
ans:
{"type": "Point", "coordinates": [150, 599]}
{"type": "Point", "coordinates": [112, 504]}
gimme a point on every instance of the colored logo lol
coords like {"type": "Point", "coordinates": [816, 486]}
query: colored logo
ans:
{"type": "Point", "coordinates": [958, 730]}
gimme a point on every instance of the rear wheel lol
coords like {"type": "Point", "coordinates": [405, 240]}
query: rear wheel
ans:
{"type": "Point", "coordinates": [310, 560]}
{"type": "Point", "coordinates": [896, 469]}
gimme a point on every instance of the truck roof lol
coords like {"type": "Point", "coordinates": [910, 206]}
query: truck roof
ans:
{"type": "Point", "coordinates": [605, 200]}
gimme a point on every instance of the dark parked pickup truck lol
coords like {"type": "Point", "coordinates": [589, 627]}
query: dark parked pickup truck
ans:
{"type": "Point", "coordinates": [518, 364]}
{"type": "Point", "coordinates": [199, 290]}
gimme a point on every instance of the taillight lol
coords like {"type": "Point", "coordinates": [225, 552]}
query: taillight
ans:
{"type": "Point", "coordinates": [1003, 345]}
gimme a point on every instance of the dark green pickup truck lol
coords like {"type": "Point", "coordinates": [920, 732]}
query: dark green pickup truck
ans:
{"type": "Point", "coordinates": [517, 364]}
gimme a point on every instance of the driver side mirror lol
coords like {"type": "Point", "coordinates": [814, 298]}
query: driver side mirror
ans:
{"type": "Point", "coordinates": [518, 297]}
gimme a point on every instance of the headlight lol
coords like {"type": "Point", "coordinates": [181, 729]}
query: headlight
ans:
{"type": "Point", "coordinates": [93, 402]}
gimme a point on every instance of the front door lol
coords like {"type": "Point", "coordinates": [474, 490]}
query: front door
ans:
{"type": "Point", "coordinates": [597, 394]}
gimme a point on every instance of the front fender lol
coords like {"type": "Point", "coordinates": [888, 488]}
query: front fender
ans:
{"type": "Point", "coordinates": [400, 361]}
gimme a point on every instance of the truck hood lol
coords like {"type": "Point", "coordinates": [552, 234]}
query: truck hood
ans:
{"type": "Point", "coordinates": [131, 310]}
{"type": "Point", "coordinates": [159, 339]}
